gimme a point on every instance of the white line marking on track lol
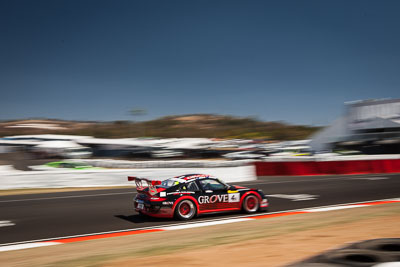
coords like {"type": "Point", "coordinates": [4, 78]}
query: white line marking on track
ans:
{"type": "Point", "coordinates": [29, 245]}
{"type": "Point", "coordinates": [335, 208]}
{"type": "Point", "coordinates": [6, 223]}
{"type": "Point", "coordinates": [202, 224]}
{"type": "Point", "coordinates": [298, 197]}
{"type": "Point", "coordinates": [371, 178]}
{"type": "Point", "coordinates": [48, 198]}
{"type": "Point", "coordinates": [239, 218]}
{"type": "Point", "coordinates": [125, 230]}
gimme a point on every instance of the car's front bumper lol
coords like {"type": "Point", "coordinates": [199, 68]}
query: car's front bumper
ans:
{"type": "Point", "coordinates": [264, 205]}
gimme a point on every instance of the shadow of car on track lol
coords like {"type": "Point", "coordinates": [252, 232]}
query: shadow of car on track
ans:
{"type": "Point", "coordinates": [138, 218]}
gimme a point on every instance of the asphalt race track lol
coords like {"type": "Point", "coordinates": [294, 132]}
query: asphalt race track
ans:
{"type": "Point", "coordinates": [42, 216]}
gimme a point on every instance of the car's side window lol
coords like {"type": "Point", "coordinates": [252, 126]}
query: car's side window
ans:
{"type": "Point", "coordinates": [192, 186]}
{"type": "Point", "coordinates": [211, 184]}
{"type": "Point", "coordinates": [182, 188]}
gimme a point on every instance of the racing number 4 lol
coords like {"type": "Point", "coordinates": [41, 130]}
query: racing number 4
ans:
{"type": "Point", "coordinates": [234, 197]}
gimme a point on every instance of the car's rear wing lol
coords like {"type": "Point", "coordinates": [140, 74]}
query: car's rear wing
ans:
{"type": "Point", "coordinates": [143, 183]}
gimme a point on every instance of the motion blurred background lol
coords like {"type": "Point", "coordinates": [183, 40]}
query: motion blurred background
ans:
{"type": "Point", "coordinates": [92, 91]}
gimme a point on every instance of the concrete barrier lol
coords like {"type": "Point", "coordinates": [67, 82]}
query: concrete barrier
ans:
{"type": "Point", "coordinates": [98, 178]}
{"type": "Point", "coordinates": [6, 169]}
{"type": "Point", "coordinates": [112, 163]}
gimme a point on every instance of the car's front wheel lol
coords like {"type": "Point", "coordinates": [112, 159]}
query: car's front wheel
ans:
{"type": "Point", "coordinates": [251, 204]}
{"type": "Point", "coordinates": [185, 210]}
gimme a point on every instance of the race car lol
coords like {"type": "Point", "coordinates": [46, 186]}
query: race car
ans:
{"type": "Point", "coordinates": [187, 196]}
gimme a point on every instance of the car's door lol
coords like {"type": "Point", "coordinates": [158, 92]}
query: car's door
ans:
{"type": "Point", "coordinates": [216, 197]}
{"type": "Point", "coordinates": [191, 189]}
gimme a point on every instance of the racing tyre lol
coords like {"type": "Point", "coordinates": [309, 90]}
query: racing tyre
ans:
{"type": "Point", "coordinates": [357, 257]}
{"type": "Point", "coordinates": [185, 210]}
{"type": "Point", "coordinates": [390, 246]}
{"type": "Point", "coordinates": [251, 204]}
{"type": "Point", "coordinates": [317, 265]}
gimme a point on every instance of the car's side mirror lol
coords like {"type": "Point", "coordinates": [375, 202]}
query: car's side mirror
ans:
{"type": "Point", "coordinates": [231, 187]}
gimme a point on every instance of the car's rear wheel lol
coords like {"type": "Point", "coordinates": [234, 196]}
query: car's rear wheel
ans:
{"type": "Point", "coordinates": [185, 210]}
{"type": "Point", "coordinates": [251, 204]}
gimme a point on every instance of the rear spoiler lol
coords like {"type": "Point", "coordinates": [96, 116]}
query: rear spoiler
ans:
{"type": "Point", "coordinates": [143, 183]}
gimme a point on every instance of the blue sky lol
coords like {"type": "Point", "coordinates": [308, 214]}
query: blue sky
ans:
{"type": "Point", "coordinates": [296, 61]}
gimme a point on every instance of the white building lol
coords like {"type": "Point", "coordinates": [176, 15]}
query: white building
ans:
{"type": "Point", "coordinates": [370, 126]}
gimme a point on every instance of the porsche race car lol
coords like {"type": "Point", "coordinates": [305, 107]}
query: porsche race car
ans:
{"type": "Point", "coordinates": [187, 196]}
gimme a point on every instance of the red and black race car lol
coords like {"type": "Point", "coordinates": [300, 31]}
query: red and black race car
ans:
{"type": "Point", "coordinates": [187, 196]}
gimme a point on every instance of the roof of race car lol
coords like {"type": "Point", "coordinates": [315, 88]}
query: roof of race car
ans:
{"type": "Point", "coordinates": [188, 177]}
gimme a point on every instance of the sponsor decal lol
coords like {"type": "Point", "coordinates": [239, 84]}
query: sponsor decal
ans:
{"type": "Point", "coordinates": [212, 199]}
{"type": "Point", "coordinates": [235, 197]}
{"type": "Point", "coordinates": [196, 176]}
{"type": "Point", "coordinates": [168, 203]}
{"type": "Point", "coordinates": [180, 192]}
